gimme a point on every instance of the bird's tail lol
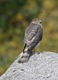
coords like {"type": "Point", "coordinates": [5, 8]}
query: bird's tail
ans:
{"type": "Point", "coordinates": [26, 54]}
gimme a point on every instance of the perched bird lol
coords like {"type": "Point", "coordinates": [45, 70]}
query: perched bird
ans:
{"type": "Point", "coordinates": [33, 36]}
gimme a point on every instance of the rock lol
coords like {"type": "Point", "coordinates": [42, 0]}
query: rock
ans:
{"type": "Point", "coordinates": [43, 66]}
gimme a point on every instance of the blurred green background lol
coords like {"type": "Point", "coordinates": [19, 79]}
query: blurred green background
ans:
{"type": "Point", "coordinates": [15, 16]}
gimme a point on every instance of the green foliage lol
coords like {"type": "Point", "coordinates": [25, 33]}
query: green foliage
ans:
{"type": "Point", "coordinates": [15, 16]}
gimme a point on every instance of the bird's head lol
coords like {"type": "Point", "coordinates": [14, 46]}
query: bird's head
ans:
{"type": "Point", "coordinates": [36, 21]}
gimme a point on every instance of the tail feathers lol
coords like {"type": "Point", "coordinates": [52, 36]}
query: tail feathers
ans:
{"type": "Point", "coordinates": [24, 56]}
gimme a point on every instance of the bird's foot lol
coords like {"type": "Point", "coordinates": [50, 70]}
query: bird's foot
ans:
{"type": "Point", "coordinates": [24, 58]}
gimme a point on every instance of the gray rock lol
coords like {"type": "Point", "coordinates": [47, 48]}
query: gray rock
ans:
{"type": "Point", "coordinates": [43, 66]}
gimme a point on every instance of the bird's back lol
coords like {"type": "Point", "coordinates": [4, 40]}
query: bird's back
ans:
{"type": "Point", "coordinates": [33, 30]}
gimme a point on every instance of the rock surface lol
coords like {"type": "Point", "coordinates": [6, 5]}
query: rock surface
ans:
{"type": "Point", "coordinates": [43, 66]}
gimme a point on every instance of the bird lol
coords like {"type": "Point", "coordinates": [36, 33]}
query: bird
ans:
{"type": "Point", "coordinates": [32, 38]}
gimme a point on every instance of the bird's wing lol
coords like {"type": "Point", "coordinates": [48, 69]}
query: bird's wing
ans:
{"type": "Point", "coordinates": [30, 36]}
{"type": "Point", "coordinates": [33, 33]}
